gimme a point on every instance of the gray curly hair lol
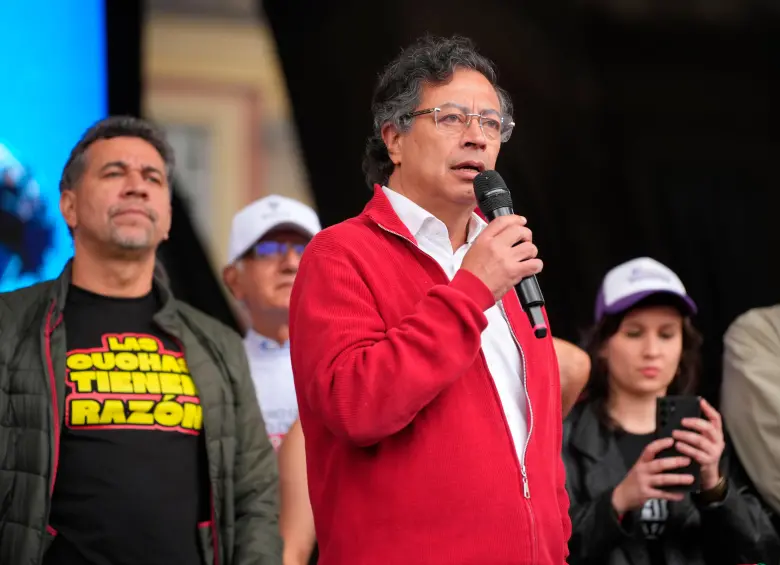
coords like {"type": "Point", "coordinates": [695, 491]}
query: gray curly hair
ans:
{"type": "Point", "coordinates": [430, 60]}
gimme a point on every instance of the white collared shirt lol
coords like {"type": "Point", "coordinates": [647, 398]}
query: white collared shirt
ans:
{"type": "Point", "coordinates": [271, 369]}
{"type": "Point", "coordinates": [498, 346]}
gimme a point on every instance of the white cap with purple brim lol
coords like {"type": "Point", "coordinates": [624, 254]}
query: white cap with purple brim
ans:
{"type": "Point", "coordinates": [630, 282]}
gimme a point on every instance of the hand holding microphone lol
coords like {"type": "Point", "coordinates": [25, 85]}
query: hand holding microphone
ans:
{"type": "Point", "coordinates": [503, 255]}
{"type": "Point", "coordinates": [496, 260]}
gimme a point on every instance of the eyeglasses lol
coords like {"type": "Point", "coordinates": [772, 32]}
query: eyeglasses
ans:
{"type": "Point", "coordinates": [454, 120]}
{"type": "Point", "coordinates": [276, 249]}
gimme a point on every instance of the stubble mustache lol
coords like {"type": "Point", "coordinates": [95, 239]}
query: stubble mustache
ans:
{"type": "Point", "coordinates": [121, 209]}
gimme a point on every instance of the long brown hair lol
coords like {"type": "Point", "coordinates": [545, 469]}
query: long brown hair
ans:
{"type": "Point", "coordinates": [685, 380]}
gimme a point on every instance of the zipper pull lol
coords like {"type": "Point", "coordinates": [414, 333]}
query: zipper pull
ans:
{"type": "Point", "coordinates": [526, 490]}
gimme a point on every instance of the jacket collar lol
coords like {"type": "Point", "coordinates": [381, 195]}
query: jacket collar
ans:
{"type": "Point", "coordinates": [599, 450]}
{"type": "Point", "coordinates": [588, 434]}
{"type": "Point", "coordinates": [380, 210]}
{"type": "Point", "coordinates": [166, 317]}
{"type": "Point", "coordinates": [58, 291]}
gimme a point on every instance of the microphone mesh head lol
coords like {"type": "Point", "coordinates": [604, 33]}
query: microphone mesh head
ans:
{"type": "Point", "coordinates": [491, 192]}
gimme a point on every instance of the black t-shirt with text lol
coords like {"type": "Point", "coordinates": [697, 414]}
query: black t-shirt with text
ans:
{"type": "Point", "coordinates": [132, 481]}
{"type": "Point", "coordinates": [655, 512]}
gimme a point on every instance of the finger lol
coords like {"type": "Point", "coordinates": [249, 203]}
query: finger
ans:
{"type": "Point", "coordinates": [666, 495]}
{"type": "Point", "coordinates": [699, 455]}
{"type": "Point", "coordinates": [503, 223]}
{"type": "Point", "coordinates": [692, 438]}
{"type": "Point", "coordinates": [697, 441]}
{"type": "Point", "coordinates": [653, 448]}
{"type": "Point", "coordinates": [706, 428]}
{"type": "Point", "coordinates": [514, 235]}
{"type": "Point", "coordinates": [527, 268]}
{"type": "Point", "coordinates": [712, 414]}
{"type": "Point", "coordinates": [698, 424]}
{"type": "Point", "coordinates": [666, 464]}
{"type": "Point", "coordinates": [671, 479]}
{"type": "Point", "coordinates": [525, 250]}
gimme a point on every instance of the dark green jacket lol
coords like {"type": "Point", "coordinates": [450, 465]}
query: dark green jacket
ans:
{"type": "Point", "coordinates": [242, 464]}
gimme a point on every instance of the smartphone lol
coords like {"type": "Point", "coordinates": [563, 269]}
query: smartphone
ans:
{"type": "Point", "coordinates": [670, 411]}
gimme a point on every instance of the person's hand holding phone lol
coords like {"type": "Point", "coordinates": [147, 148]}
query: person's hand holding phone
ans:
{"type": "Point", "coordinates": [705, 445]}
{"type": "Point", "coordinates": [648, 476]}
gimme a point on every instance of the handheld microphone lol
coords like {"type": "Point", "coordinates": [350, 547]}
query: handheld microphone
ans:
{"type": "Point", "coordinates": [495, 200]}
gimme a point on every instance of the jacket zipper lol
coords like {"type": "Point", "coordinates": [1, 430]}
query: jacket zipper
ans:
{"type": "Point", "coordinates": [55, 414]}
{"type": "Point", "coordinates": [213, 506]}
{"type": "Point", "coordinates": [526, 488]}
{"type": "Point", "coordinates": [214, 529]}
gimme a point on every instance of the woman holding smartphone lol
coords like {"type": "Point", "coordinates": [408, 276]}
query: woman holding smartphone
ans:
{"type": "Point", "coordinates": [643, 346]}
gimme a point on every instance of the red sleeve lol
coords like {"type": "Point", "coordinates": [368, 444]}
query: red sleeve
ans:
{"type": "Point", "coordinates": [363, 379]}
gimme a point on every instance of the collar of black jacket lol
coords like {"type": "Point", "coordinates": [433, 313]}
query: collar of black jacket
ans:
{"type": "Point", "coordinates": [587, 434]}
{"type": "Point", "coordinates": [166, 317]}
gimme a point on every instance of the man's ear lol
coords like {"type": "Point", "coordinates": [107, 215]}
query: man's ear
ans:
{"type": "Point", "coordinates": [167, 233]}
{"type": "Point", "coordinates": [68, 208]}
{"type": "Point", "coordinates": [230, 276]}
{"type": "Point", "coordinates": [393, 141]}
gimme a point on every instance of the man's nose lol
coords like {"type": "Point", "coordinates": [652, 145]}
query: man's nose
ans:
{"type": "Point", "coordinates": [135, 186]}
{"type": "Point", "coordinates": [291, 260]}
{"type": "Point", "coordinates": [473, 134]}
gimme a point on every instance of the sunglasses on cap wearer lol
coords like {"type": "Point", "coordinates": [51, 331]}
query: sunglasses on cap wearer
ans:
{"type": "Point", "coordinates": [276, 249]}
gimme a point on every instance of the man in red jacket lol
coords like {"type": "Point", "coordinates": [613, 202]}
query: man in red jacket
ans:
{"type": "Point", "coordinates": [432, 415]}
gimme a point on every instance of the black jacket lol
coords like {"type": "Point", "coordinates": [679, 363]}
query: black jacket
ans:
{"type": "Point", "coordinates": [735, 531]}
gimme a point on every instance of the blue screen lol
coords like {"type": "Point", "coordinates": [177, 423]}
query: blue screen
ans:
{"type": "Point", "coordinates": [53, 87]}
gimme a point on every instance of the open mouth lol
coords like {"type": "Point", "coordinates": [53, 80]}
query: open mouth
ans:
{"type": "Point", "coordinates": [472, 166]}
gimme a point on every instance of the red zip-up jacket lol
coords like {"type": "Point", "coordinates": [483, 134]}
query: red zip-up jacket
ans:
{"type": "Point", "coordinates": [410, 458]}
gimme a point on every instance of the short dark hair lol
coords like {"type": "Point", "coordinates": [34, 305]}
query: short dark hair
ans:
{"type": "Point", "coordinates": [108, 128]}
{"type": "Point", "coordinates": [430, 60]}
{"type": "Point", "coordinates": [685, 380]}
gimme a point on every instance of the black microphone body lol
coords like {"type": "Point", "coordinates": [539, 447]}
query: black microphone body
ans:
{"type": "Point", "coordinates": [495, 200]}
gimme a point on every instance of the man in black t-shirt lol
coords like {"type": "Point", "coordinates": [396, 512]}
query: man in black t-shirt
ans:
{"type": "Point", "coordinates": [132, 478]}
{"type": "Point", "coordinates": [129, 429]}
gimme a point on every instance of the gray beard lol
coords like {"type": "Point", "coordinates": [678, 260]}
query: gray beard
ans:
{"type": "Point", "coordinates": [137, 243]}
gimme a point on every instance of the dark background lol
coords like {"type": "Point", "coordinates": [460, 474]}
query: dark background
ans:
{"type": "Point", "coordinates": [639, 133]}
{"type": "Point", "coordinates": [648, 135]}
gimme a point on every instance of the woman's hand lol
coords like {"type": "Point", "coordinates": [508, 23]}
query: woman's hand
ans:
{"type": "Point", "coordinates": [648, 476]}
{"type": "Point", "coordinates": [705, 445]}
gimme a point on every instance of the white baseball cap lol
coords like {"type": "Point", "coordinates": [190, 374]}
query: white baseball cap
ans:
{"type": "Point", "coordinates": [266, 214]}
{"type": "Point", "coordinates": [635, 280]}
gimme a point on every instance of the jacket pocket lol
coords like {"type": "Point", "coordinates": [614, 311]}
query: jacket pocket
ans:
{"type": "Point", "coordinates": [205, 537]}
